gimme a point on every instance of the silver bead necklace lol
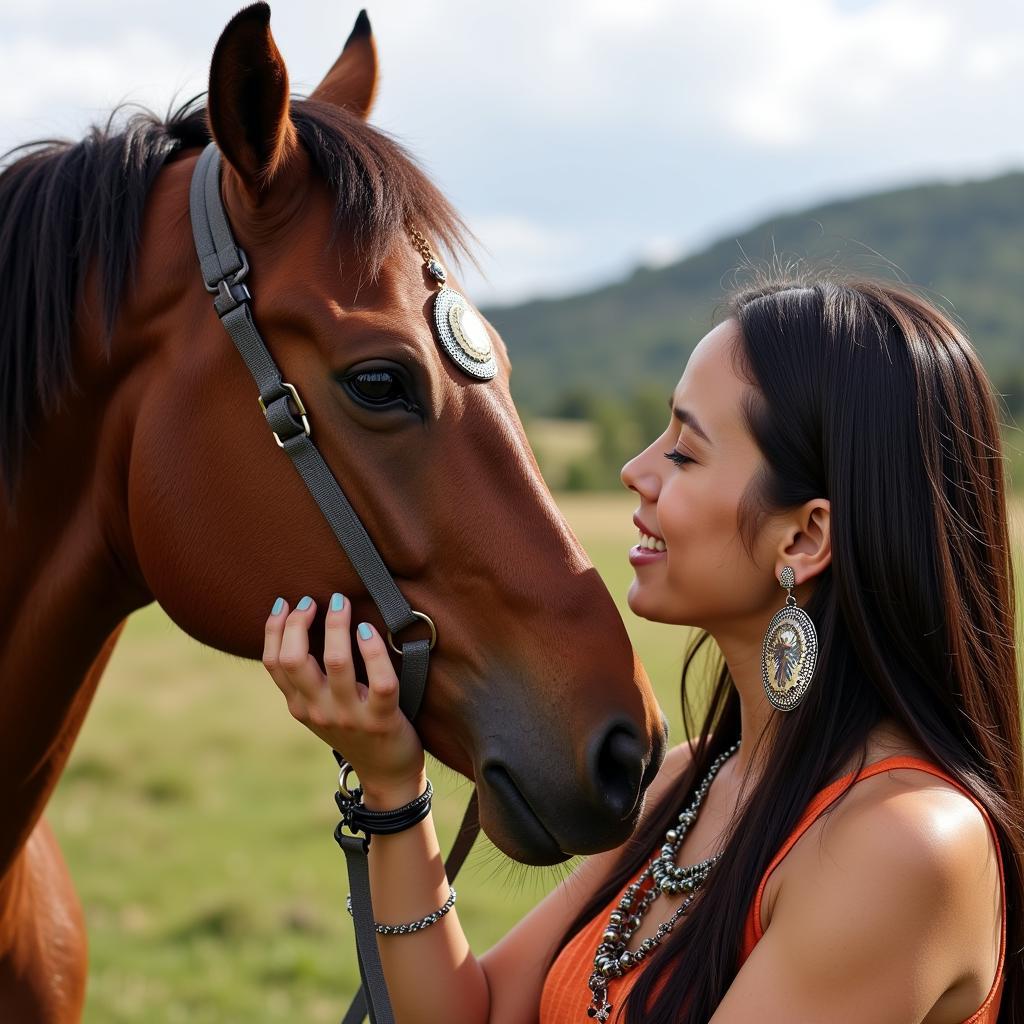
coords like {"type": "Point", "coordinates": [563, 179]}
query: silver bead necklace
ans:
{"type": "Point", "coordinates": [612, 958]}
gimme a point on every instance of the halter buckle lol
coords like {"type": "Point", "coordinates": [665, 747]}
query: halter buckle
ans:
{"type": "Point", "coordinates": [298, 405]}
{"type": "Point", "coordinates": [230, 291]}
{"type": "Point", "coordinates": [230, 295]}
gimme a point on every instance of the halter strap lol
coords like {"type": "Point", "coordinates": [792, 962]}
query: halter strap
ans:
{"type": "Point", "coordinates": [224, 268]}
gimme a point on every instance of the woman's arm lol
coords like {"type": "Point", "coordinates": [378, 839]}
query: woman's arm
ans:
{"type": "Point", "coordinates": [445, 981]}
{"type": "Point", "coordinates": [432, 975]}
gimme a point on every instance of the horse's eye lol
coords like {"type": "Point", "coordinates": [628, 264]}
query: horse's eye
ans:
{"type": "Point", "coordinates": [377, 387]}
{"type": "Point", "coordinates": [380, 387]}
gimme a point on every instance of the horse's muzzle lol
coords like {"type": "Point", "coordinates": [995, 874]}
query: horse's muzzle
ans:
{"type": "Point", "coordinates": [537, 815]}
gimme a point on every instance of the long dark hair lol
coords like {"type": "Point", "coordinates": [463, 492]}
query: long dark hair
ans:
{"type": "Point", "coordinates": [865, 393]}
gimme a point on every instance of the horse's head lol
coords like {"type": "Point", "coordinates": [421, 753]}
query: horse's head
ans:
{"type": "Point", "coordinates": [534, 688]}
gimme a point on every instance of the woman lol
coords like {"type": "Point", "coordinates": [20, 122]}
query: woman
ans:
{"type": "Point", "coordinates": [854, 819]}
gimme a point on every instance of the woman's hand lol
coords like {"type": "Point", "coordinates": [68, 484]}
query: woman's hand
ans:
{"type": "Point", "coordinates": [363, 722]}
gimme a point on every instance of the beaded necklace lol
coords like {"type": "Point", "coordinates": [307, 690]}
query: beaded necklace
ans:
{"type": "Point", "coordinates": [612, 958]}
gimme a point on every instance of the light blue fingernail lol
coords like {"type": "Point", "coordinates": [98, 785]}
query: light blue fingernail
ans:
{"type": "Point", "coordinates": [278, 605]}
{"type": "Point", "coordinates": [365, 632]}
{"type": "Point", "coordinates": [304, 604]}
{"type": "Point", "coordinates": [337, 602]}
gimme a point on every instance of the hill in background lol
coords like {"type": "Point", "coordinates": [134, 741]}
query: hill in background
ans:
{"type": "Point", "coordinates": [962, 243]}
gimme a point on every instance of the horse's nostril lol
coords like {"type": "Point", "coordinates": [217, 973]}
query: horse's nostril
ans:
{"type": "Point", "coordinates": [617, 769]}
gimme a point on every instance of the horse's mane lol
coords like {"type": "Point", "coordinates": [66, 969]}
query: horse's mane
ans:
{"type": "Point", "coordinates": [65, 205]}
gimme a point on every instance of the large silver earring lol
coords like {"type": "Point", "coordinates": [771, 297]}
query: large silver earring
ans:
{"type": "Point", "coordinates": [790, 650]}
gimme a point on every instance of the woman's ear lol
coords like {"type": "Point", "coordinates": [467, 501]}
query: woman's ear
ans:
{"type": "Point", "coordinates": [807, 544]}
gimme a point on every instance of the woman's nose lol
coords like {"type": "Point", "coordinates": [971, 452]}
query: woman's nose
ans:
{"type": "Point", "coordinates": [637, 475]}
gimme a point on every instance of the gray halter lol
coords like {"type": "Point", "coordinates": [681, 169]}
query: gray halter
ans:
{"type": "Point", "coordinates": [224, 268]}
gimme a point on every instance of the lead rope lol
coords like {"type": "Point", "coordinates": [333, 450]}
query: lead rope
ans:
{"type": "Point", "coordinates": [463, 843]}
{"type": "Point", "coordinates": [224, 268]}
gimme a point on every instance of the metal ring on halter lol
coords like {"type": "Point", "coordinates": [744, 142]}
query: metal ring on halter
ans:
{"type": "Point", "coordinates": [343, 774]}
{"type": "Point", "coordinates": [433, 632]}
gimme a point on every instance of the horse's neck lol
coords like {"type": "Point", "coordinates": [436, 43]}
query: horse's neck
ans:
{"type": "Point", "coordinates": [63, 596]}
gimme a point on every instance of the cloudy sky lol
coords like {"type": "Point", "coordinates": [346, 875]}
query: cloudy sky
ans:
{"type": "Point", "coordinates": [580, 137]}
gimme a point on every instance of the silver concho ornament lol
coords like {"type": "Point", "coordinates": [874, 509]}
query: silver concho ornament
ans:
{"type": "Point", "coordinates": [788, 656]}
{"type": "Point", "coordinates": [463, 335]}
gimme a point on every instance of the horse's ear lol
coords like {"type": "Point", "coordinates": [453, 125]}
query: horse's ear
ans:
{"type": "Point", "coordinates": [248, 106]}
{"type": "Point", "coordinates": [352, 82]}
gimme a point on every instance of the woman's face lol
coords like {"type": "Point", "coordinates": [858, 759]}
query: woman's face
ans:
{"type": "Point", "coordinates": [704, 576]}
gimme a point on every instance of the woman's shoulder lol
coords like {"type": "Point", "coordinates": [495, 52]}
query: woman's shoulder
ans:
{"type": "Point", "coordinates": [914, 819]}
{"type": "Point", "coordinates": [904, 789]}
{"type": "Point", "coordinates": [924, 820]}
{"type": "Point", "coordinates": [887, 891]}
{"type": "Point", "coordinates": [906, 860]}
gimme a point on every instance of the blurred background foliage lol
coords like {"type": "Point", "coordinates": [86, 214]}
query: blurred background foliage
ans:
{"type": "Point", "coordinates": [592, 372]}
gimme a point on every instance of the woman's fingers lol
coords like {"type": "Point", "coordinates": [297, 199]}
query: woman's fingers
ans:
{"type": "Point", "coordinates": [300, 667]}
{"type": "Point", "coordinates": [362, 720]}
{"type": "Point", "coordinates": [340, 697]}
{"type": "Point", "coordinates": [341, 675]}
{"type": "Point", "coordinates": [273, 631]}
{"type": "Point", "coordinates": [382, 698]}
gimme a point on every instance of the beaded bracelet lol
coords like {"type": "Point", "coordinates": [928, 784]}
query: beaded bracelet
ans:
{"type": "Point", "coordinates": [413, 926]}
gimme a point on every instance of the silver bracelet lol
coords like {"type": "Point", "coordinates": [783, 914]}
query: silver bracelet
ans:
{"type": "Point", "coordinates": [412, 926]}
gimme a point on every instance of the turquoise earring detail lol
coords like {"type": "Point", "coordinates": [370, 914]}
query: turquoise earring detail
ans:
{"type": "Point", "coordinates": [790, 650]}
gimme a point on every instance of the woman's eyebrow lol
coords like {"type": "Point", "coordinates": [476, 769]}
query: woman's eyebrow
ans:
{"type": "Point", "coordinates": [687, 417]}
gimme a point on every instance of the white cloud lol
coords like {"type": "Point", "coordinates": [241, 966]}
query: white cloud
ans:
{"type": "Point", "coordinates": [661, 250]}
{"type": "Point", "coordinates": [573, 133]}
{"type": "Point", "coordinates": [81, 81]}
{"type": "Point", "coordinates": [816, 67]}
{"type": "Point", "coordinates": [992, 58]}
{"type": "Point", "coordinates": [521, 258]}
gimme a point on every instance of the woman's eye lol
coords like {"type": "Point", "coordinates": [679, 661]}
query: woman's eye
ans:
{"type": "Point", "coordinates": [678, 457]}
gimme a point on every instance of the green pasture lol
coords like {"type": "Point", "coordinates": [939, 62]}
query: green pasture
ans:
{"type": "Point", "coordinates": [196, 817]}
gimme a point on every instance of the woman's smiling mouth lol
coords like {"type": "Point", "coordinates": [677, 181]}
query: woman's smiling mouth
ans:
{"type": "Point", "coordinates": [649, 548]}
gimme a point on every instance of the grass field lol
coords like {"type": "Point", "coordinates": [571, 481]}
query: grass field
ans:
{"type": "Point", "coordinates": [196, 817]}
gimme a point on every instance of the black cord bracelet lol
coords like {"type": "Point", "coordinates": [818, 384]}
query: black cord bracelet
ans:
{"type": "Point", "coordinates": [358, 818]}
{"type": "Point", "coordinates": [387, 823]}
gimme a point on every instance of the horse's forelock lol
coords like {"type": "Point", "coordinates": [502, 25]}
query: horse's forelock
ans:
{"type": "Point", "coordinates": [66, 205]}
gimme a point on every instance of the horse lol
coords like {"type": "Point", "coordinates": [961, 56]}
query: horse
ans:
{"type": "Point", "coordinates": [137, 466]}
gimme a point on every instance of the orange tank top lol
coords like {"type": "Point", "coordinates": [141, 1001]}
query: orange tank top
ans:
{"type": "Point", "coordinates": [565, 996]}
